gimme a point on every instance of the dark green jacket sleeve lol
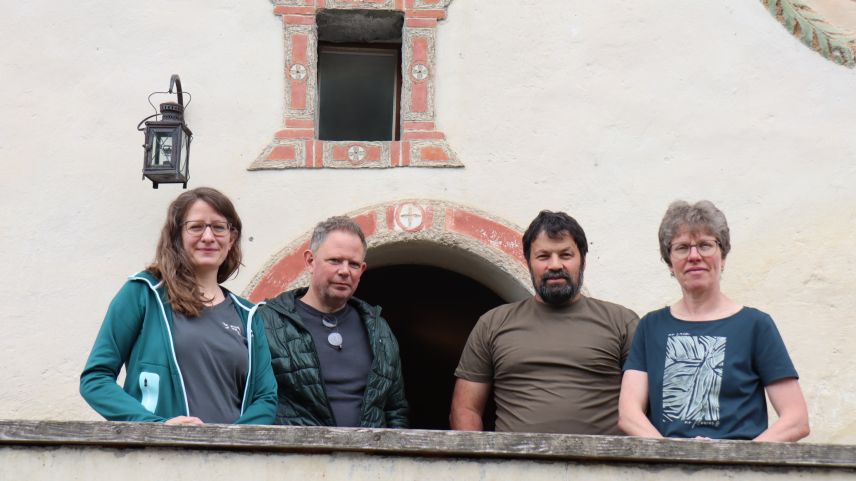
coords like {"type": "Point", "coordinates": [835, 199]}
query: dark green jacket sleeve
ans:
{"type": "Point", "coordinates": [261, 405]}
{"type": "Point", "coordinates": [396, 410]}
{"type": "Point", "coordinates": [111, 350]}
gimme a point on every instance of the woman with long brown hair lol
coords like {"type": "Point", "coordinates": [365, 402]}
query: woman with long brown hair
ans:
{"type": "Point", "coordinates": [193, 351]}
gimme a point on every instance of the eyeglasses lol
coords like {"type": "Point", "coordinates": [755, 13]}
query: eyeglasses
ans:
{"type": "Point", "coordinates": [197, 227]}
{"type": "Point", "coordinates": [704, 248]}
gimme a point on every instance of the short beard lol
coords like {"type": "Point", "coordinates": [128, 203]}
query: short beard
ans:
{"type": "Point", "coordinates": [559, 295]}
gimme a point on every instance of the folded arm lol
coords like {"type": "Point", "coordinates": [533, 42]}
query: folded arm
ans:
{"type": "Point", "coordinates": [632, 403]}
{"type": "Point", "coordinates": [468, 403]}
{"type": "Point", "coordinates": [110, 352]}
{"type": "Point", "coordinates": [789, 403]}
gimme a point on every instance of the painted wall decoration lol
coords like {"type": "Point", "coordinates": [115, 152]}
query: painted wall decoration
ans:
{"type": "Point", "coordinates": [296, 144]}
{"type": "Point", "coordinates": [823, 25]}
{"type": "Point", "coordinates": [429, 221]}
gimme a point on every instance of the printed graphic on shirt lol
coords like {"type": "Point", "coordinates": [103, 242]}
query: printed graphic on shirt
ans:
{"type": "Point", "coordinates": [230, 327]}
{"type": "Point", "coordinates": [692, 378]}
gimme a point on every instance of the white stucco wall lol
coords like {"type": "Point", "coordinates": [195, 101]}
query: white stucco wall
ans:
{"type": "Point", "coordinates": [608, 110]}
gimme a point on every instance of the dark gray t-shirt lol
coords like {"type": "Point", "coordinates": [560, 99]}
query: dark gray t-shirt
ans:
{"type": "Point", "coordinates": [344, 371]}
{"type": "Point", "coordinates": [212, 352]}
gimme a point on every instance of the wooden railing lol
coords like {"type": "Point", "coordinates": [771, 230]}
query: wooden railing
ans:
{"type": "Point", "coordinates": [18, 438]}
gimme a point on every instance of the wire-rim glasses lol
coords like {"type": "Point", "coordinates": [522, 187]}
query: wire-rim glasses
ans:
{"type": "Point", "coordinates": [705, 248]}
{"type": "Point", "coordinates": [197, 227]}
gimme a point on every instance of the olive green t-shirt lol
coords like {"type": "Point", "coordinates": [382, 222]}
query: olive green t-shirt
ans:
{"type": "Point", "coordinates": [553, 369]}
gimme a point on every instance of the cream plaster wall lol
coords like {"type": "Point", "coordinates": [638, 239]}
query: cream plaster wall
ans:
{"type": "Point", "coordinates": [608, 110]}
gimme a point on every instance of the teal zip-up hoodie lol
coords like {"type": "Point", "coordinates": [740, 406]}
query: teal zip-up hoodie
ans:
{"type": "Point", "coordinates": [137, 333]}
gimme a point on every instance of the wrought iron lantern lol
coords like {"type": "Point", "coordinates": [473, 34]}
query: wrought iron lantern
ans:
{"type": "Point", "coordinates": [166, 157]}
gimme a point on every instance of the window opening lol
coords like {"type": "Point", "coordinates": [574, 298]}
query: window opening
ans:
{"type": "Point", "coordinates": [359, 92]}
{"type": "Point", "coordinates": [359, 74]}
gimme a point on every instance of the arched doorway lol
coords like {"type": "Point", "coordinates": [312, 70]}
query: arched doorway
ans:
{"type": "Point", "coordinates": [434, 268]}
{"type": "Point", "coordinates": [431, 311]}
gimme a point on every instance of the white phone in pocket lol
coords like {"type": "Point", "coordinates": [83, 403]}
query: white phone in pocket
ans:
{"type": "Point", "coordinates": [149, 384]}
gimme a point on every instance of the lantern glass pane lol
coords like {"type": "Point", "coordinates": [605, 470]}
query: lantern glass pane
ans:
{"type": "Point", "coordinates": [163, 151]}
{"type": "Point", "coordinates": [183, 151]}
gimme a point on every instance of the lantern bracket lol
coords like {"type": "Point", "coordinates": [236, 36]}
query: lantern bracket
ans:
{"type": "Point", "coordinates": [174, 81]}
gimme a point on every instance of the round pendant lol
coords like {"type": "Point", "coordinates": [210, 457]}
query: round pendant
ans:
{"type": "Point", "coordinates": [335, 339]}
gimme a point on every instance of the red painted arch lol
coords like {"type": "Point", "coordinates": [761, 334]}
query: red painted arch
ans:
{"type": "Point", "coordinates": [406, 218]}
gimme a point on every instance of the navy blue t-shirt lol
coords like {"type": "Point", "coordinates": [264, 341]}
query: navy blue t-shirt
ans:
{"type": "Point", "coordinates": [707, 378]}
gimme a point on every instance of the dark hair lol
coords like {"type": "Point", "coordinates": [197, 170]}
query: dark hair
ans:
{"type": "Point", "coordinates": [702, 216]}
{"type": "Point", "coordinates": [340, 223]}
{"type": "Point", "coordinates": [555, 224]}
{"type": "Point", "coordinates": [172, 264]}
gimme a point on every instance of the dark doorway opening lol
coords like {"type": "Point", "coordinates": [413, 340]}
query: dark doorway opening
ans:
{"type": "Point", "coordinates": [431, 311]}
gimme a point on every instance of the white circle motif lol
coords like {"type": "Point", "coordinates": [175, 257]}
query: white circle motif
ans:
{"type": "Point", "coordinates": [410, 216]}
{"type": "Point", "coordinates": [356, 153]}
{"type": "Point", "coordinates": [419, 71]}
{"type": "Point", "coordinates": [297, 72]}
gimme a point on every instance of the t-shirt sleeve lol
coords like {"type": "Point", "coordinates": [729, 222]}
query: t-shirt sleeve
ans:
{"type": "Point", "coordinates": [631, 322]}
{"type": "Point", "coordinates": [476, 362]}
{"type": "Point", "coordinates": [636, 360]}
{"type": "Point", "coordinates": [770, 356]}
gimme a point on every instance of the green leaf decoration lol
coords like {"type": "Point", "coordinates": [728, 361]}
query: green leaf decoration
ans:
{"type": "Point", "coordinates": [802, 22]}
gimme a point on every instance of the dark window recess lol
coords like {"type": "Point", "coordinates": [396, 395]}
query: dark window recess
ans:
{"type": "Point", "coordinates": [359, 74]}
{"type": "Point", "coordinates": [358, 91]}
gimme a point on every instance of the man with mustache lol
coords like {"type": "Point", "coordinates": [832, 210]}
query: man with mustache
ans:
{"type": "Point", "coordinates": [553, 360]}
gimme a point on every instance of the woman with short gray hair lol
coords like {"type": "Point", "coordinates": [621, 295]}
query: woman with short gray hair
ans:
{"type": "Point", "coordinates": [700, 367]}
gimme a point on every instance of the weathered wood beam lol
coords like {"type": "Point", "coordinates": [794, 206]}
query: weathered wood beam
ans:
{"type": "Point", "coordinates": [426, 443]}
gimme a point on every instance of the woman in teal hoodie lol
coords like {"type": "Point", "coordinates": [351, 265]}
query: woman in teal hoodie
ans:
{"type": "Point", "coordinates": [193, 352]}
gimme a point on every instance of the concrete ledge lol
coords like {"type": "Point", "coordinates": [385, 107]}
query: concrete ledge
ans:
{"type": "Point", "coordinates": [422, 443]}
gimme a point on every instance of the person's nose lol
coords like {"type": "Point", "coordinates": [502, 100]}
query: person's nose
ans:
{"type": "Point", "coordinates": [554, 264]}
{"type": "Point", "coordinates": [694, 254]}
{"type": "Point", "coordinates": [208, 234]}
